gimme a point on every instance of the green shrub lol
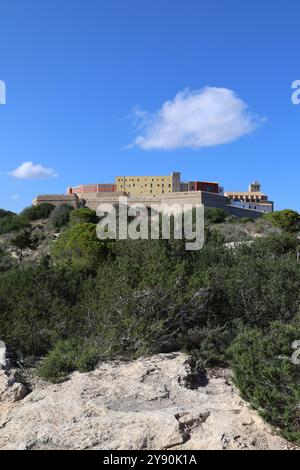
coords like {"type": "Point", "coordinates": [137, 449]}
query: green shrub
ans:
{"type": "Point", "coordinates": [209, 345]}
{"type": "Point", "coordinates": [80, 247]}
{"type": "Point", "coordinates": [12, 223]}
{"type": "Point", "coordinates": [280, 244]}
{"type": "Point", "coordinates": [246, 220]}
{"type": "Point", "coordinates": [37, 308]}
{"type": "Point", "coordinates": [288, 220]}
{"type": "Point", "coordinates": [83, 216]}
{"type": "Point", "coordinates": [60, 216]}
{"type": "Point", "coordinates": [41, 211]}
{"type": "Point", "coordinates": [4, 213]}
{"type": "Point", "coordinates": [232, 219]}
{"type": "Point", "coordinates": [24, 241]}
{"type": "Point", "coordinates": [68, 356]}
{"type": "Point", "coordinates": [266, 376]}
{"type": "Point", "coordinates": [214, 215]}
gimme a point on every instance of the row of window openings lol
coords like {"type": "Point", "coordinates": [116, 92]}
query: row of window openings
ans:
{"type": "Point", "coordinates": [132, 179]}
{"type": "Point", "coordinates": [151, 185]}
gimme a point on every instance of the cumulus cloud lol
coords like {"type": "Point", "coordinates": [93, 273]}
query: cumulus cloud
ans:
{"type": "Point", "coordinates": [30, 171]}
{"type": "Point", "coordinates": [195, 119]}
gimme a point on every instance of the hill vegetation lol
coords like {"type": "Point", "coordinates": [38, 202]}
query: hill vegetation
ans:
{"type": "Point", "coordinates": [67, 303]}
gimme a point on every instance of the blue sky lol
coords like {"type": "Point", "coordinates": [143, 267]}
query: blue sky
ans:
{"type": "Point", "coordinates": [75, 70]}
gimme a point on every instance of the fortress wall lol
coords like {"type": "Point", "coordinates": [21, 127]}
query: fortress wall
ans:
{"type": "Point", "coordinates": [57, 200]}
{"type": "Point", "coordinates": [240, 212]}
{"type": "Point", "coordinates": [92, 201]}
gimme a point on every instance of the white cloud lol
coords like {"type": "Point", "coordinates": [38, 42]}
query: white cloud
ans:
{"type": "Point", "coordinates": [30, 171]}
{"type": "Point", "coordinates": [15, 197]}
{"type": "Point", "coordinates": [195, 119]}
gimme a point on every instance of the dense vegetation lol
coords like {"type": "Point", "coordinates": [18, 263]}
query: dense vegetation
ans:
{"type": "Point", "coordinates": [92, 300]}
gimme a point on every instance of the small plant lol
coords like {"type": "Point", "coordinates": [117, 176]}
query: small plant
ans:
{"type": "Point", "coordinates": [246, 220]}
{"type": "Point", "coordinates": [68, 356]}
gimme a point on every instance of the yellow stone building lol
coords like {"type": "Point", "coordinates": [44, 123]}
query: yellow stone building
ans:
{"type": "Point", "coordinates": [156, 185]}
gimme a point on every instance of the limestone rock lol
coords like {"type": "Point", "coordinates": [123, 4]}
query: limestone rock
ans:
{"type": "Point", "coordinates": [2, 355]}
{"type": "Point", "coordinates": [144, 404]}
{"type": "Point", "coordinates": [10, 389]}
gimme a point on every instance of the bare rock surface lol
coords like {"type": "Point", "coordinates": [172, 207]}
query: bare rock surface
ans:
{"type": "Point", "coordinates": [10, 389]}
{"type": "Point", "coordinates": [144, 404]}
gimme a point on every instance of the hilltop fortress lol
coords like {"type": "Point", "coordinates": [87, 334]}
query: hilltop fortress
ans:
{"type": "Point", "coordinates": [167, 189]}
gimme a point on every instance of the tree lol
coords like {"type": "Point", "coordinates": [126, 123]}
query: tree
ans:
{"type": "Point", "coordinates": [288, 220]}
{"type": "Point", "coordinates": [83, 216]}
{"type": "Point", "coordinates": [60, 216]}
{"type": "Point", "coordinates": [41, 211]}
{"type": "Point", "coordinates": [12, 223]}
{"type": "Point", "coordinates": [24, 241]}
{"type": "Point", "coordinates": [80, 247]}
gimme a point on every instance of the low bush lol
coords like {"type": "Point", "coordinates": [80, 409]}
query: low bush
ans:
{"type": "Point", "coordinates": [60, 216]}
{"type": "Point", "coordinates": [288, 220]}
{"type": "Point", "coordinates": [4, 213]}
{"type": "Point", "coordinates": [264, 372]}
{"type": "Point", "coordinates": [41, 211]}
{"type": "Point", "coordinates": [12, 223]}
{"type": "Point", "coordinates": [246, 220]}
{"type": "Point", "coordinates": [68, 356]}
{"type": "Point", "coordinates": [214, 215]}
{"type": "Point", "coordinates": [83, 216]}
{"type": "Point", "coordinates": [79, 247]}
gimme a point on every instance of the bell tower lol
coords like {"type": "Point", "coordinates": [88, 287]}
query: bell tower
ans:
{"type": "Point", "coordinates": [255, 187]}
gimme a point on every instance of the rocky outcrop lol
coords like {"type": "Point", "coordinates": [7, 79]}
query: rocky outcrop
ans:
{"type": "Point", "coordinates": [149, 403]}
{"type": "Point", "coordinates": [10, 389]}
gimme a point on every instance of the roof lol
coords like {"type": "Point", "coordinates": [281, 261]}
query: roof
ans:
{"type": "Point", "coordinates": [246, 193]}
